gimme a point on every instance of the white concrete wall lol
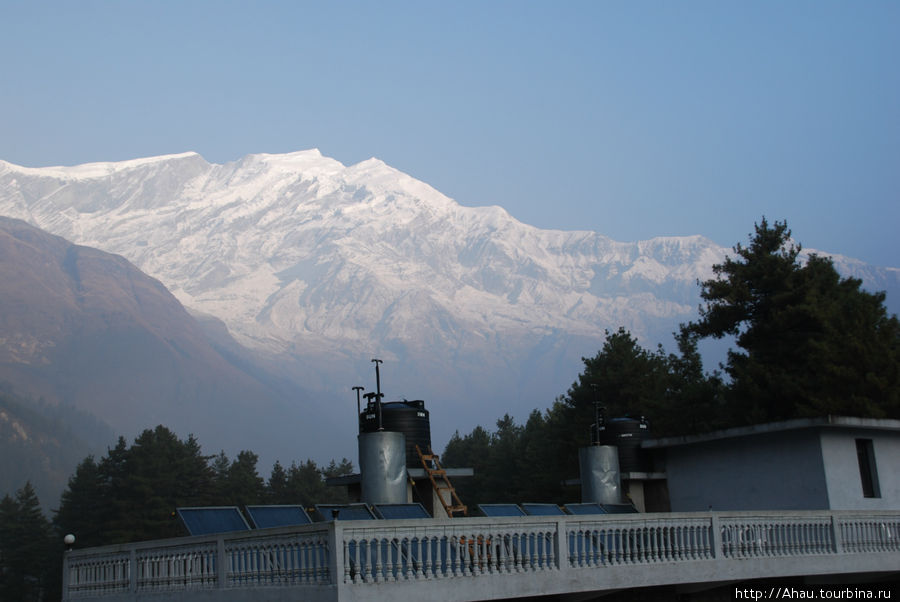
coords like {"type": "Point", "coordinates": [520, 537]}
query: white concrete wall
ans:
{"type": "Point", "coordinates": [770, 471]}
{"type": "Point", "coordinates": [842, 469]}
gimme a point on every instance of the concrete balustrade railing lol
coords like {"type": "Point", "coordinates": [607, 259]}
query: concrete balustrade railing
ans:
{"type": "Point", "coordinates": [334, 561]}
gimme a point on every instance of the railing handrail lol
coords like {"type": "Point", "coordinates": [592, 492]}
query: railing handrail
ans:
{"type": "Point", "coordinates": [349, 553]}
{"type": "Point", "coordinates": [324, 527]}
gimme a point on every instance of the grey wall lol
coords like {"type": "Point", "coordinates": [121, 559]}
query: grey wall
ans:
{"type": "Point", "coordinates": [842, 469]}
{"type": "Point", "coordinates": [772, 471]}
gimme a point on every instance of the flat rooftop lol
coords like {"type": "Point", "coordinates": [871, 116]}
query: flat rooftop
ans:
{"type": "Point", "coordinates": [883, 424]}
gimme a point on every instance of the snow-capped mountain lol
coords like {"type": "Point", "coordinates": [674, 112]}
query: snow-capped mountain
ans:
{"type": "Point", "coordinates": [321, 266]}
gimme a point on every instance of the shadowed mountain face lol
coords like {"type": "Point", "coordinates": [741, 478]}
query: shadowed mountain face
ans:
{"type": "Point", "coordinates": [87, 329]}
{"type": "Point", "coordinates": [318, 267]}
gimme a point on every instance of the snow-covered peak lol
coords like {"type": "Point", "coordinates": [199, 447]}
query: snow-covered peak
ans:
{"type": "Point", "coordinates": [284, 247]}
{"type": "Point", "coordinates": [103, 169]}
{"type": "Point", "coordinates": [299, 162]}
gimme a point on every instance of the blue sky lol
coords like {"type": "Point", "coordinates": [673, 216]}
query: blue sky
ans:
{"type": "Point", "coordinates": [634, 119]}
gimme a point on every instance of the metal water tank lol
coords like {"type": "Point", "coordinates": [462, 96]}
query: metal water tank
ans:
{"type": "Point", "coordinates": [627, 435]}
{"type": "Point", "coordinates": [407, 417]}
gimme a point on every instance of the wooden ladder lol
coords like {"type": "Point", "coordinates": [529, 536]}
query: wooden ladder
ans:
{"type": "Point", "coordinates": [455, 505]}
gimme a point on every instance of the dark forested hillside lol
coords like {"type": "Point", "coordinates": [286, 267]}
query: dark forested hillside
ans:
{"type": "Point", "coordinates": [42, 443]}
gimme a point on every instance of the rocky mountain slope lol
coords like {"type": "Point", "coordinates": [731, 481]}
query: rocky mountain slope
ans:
{"type": "Point", "coordinates": [319, 267]}
{"type": "Point", "coordinates": [85, 329]}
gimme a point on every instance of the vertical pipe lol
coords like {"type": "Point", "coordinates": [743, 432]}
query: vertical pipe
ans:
{"type": "Point", "coordinates": [358, 409]}
{"type": "Point", "coordinates": [378, 392]}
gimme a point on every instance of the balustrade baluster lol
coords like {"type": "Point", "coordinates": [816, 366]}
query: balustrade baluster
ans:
{"type": "Point", "coordinates": [585, 555]}
{"type": "Point", "coordinates": [514, 553]}
{"type": "Point", "coordinates": [870, 537]}
{"type": "Point", "coordinates": [637, 544]}
{"type": "Point", "coordinates": [860, 532]}
{"type": "Point", "coordinates": [662, 538]}
{"type": "Point", "coordinates": [864, 536]}
{"type": "Point", "coordinates": [464, 556]}
{"type": "Point", "coordinates": [521, 559]}
{"type": "Point", "coordinates": [378, 564]}
{"type": "Point", "coordinates": [410, 558]}
{"type": "Point", "coordinates": [816, 533]}
{"type": "Point", "coordinates": [810, 538]}
{"type": "Point", "coordinates": [390, 550]}
{"type": "Point", "coordinates": [577, 548]}
{"type": "Point", "coordinates": [454, 544]}
{"type": "Point", "coordinates": [646, 543]}
{"type": "Point", "coordinates": [598, 543]}
{"type": "Point", "coordinates": [419, 567]}
{"type": "Point", "coordinates": [590, 544]}
{"type": "Point", "coordinates": [613, 542]}
{"type": "Point", "coordinates": [443, 562]}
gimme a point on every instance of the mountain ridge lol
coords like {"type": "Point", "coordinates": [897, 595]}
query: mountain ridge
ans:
{"type": "Point", "coordinates": [320, 266]}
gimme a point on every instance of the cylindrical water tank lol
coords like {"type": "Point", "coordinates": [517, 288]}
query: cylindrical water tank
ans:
{"type": "Point", "coordinates": [600, 482]}
{"type": "Point", "coordinates": [407, 417]}
{"type": "Point", "coordinates": [382, 467]}
{"type": "Point", "coordinates": [627, 434]}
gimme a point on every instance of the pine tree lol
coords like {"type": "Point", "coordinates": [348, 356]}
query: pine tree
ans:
{"type": "Point", "coordinates": [243, 484]}
{"type": "Point", "coordinates": [810, 343]}
{"type": "Point", "coordinates": [80, 507]}
{"type": "Point", "coordinates": [26, 547]}
{"type": "Point", "coordinates": [277, 485]}
{"type": "Point", "coordinates": [305, 484]}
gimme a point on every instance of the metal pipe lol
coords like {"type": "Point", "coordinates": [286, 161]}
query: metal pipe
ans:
{"type": "Point", "coordinates": [358, 409]}
{"type": "Point", "coordinates": [378, 394]}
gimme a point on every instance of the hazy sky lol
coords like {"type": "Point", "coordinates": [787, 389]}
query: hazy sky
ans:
{"type": "Point", "coordinates": [634, 119]}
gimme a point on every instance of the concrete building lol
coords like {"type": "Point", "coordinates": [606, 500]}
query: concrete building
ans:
{"type": "Point", "coordinates": [828, 463]}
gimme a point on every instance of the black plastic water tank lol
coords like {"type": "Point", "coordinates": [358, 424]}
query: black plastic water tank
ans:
{"type": "Point", "coordinates": [627, 434]}
{"type": "Point", "coordinates": [407, 417]}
